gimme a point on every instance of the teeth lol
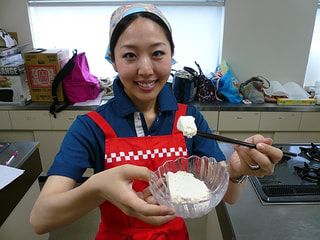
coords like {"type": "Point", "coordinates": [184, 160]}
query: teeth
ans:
{"type": "Point", "coordinates": [146, 85]}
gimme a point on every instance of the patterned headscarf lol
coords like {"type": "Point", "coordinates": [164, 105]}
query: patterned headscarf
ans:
{"type": "Point", "coordinates": [126, 10]}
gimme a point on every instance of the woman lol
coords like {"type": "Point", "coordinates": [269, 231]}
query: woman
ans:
{"type": "Point", "coordinates": [130, 136]}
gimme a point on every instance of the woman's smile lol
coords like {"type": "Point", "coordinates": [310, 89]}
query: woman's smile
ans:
{"type": "Point", "coordinates": [146, 85]}
{"type": "Point", "coordinates": [143, 60]}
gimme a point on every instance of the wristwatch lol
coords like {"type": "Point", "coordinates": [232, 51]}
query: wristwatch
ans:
{"type": "Point", "coordinates": [239, 180]}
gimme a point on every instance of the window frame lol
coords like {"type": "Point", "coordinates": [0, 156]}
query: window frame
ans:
{"type": "Point", "coordinates": [107, 68]}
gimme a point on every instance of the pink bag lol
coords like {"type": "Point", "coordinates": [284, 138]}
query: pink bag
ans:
{"type": "Point", "coordinates": [78, 83]}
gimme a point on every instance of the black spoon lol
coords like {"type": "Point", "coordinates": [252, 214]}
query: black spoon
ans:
{"type": "Point", "coordinates": [234, 141]}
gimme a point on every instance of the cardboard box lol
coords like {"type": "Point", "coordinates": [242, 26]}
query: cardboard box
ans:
{"type": "Point", "coordinates": [14, 87]}
{"type": "Point", "coordinates": [42, 67]}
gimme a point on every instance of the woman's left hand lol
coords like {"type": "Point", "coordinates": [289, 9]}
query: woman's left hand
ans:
{"type": "Point", "coordinates": [257, 162]}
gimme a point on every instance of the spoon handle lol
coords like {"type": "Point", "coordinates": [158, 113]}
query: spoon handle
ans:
{"type": "Point", "coordinates": [234, 141]}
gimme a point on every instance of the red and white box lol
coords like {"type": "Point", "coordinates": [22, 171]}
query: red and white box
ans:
{"type": "Point", "coordinates": [42, 67]}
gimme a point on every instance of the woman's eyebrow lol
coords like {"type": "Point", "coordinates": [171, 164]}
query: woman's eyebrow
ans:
{"type": "Point", "coordinates": [135, 46]}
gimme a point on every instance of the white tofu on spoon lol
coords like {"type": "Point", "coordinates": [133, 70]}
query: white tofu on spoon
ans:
{"type": "Point", "coordinates": [187, 126]}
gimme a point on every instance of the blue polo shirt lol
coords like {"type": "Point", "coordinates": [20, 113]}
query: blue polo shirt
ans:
{"type": "Point", "coordinates": [83, 145]}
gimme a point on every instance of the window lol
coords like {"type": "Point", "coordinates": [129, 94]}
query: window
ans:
{"type": "Point", "coordinates": [313, 69]}
{"type": "Point", "coordinates": [84, 25]}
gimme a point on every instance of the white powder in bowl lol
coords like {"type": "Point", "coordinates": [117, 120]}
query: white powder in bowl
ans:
{"type": "Point", "coordinates": [184, 187]}
{"type": "Point", "coordinates": [187, 126]}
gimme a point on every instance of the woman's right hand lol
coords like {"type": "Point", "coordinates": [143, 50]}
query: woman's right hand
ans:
{"type": "Point", "coordinates": [59, 203]}
{"type": "Point", "coordinates": [115, 185]}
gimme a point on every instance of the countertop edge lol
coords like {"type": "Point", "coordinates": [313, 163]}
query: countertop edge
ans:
{"type": "Point", "coordinates": [250, 219]}
{"type": "Point", "coordinates": [212, 106]}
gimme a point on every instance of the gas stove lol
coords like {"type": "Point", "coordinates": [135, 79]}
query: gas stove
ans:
{"type": "Point", "coordinates": [296, 180]}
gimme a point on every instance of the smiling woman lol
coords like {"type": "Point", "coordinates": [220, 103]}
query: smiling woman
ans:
{"type": "Point", "coordinates": [127, 138]}
{"type": "Point", "coordinates": [83, 25]}
{"type": "Point", "coordinates": [142, 52]}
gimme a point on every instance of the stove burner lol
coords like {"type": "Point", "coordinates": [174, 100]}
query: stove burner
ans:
{"type": "Point", "coordinates": [308, 173]}
{"type": "Point", "coordinates": [313, 153]}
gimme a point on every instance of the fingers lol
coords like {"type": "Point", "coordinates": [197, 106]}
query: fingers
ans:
{"type": "Point", "coordinates": [148, 197]}
{"type": "Point", "coordinates": [259, 161]}
{"type": "Point", "coordinates": [141, 205]}
{"type": "Point", "coordinates": [150, 213]}
{"type": "Point", "coordinates": [135, 172]}
{"type": "Point", "coordinates": [157, 220]}
{"type": "Point", "coordinates": [151, 210]}
{"type": "Point", "coordinates": [273, 153]}
{"type": "Point", "coordinates": [254, 162]}
{"type": "Point", "coordinates": [256, 139]}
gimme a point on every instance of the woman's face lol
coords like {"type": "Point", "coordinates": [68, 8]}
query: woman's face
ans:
{"type": "Point", "coordinates": [143, 60]}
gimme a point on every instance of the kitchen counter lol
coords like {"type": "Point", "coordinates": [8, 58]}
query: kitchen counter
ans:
{"type": "Point", "coordinates": [213, 106]}
{"type": "Point", "coordinates": [28, 159]}
{"type": "Point", "coordinates": [249, 219]}
{"type": "Point", "coordinates": [265, 107]}
{"type": "Point", "coordinates": [282, 123]}
{"type": "Point", "coordinates": [43, 106]}
{"type": "Point", "coordinates": [18, 197]}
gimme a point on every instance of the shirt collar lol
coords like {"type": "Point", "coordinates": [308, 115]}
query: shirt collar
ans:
{"type": "Point", "coordinates": [166, 99]}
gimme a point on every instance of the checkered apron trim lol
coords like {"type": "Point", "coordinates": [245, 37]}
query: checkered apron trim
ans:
{"type": "Point", "coordinates": [171, 152]}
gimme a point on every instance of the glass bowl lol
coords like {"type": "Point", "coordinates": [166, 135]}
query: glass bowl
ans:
{"type": "Point", "coordinates": [213, 174]}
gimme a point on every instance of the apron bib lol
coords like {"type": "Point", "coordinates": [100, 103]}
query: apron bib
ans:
{"type": "Point", "coordinates": [148, 151]}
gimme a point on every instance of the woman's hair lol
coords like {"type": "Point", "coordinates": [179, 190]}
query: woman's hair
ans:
{"type": "Point", "coordinates": [125, 22]}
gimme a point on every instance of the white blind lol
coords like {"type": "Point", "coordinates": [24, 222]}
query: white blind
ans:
{"type": "Point", "coordinates": [84, 25]}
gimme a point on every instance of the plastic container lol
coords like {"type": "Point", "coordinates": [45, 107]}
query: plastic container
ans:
{"type": "Point", "coordinates": [214, 175]}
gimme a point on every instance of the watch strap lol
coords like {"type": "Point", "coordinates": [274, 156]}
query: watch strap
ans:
{"type": "Point", "coordinates": [239, 180]}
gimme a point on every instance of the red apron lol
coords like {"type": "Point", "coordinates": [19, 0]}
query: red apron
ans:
{"type": "Point", "coordinates": [150, 152]}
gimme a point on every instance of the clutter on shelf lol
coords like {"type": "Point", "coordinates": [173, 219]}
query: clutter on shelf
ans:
{"type": "Point", "coordinates": [14, 89]}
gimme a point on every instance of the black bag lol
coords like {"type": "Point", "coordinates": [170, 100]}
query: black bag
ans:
{"type": "Point", "coordinates": [206, 91]}
{"type": "Point", "coordinates": [184, 84]}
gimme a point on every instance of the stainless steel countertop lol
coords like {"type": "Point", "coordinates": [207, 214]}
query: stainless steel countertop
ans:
{"type": "Point", "coordinates": [25, 149]}
{"type": "Point", "coordinates": [213, 106]}
{"type": "Point", "coordinates": [43, 106]}
{"type": "Point", "coordinates": [252, 220]}
{"type": "Point", "coordinates": [265, 107]}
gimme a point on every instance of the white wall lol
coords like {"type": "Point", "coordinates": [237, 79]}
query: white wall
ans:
{"type": "Point", "coordinates": [14, 18]}
{"type": "Point", "coordinates": [261, 37]}
{"type": "Point", "coordinates": [268, 37]}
